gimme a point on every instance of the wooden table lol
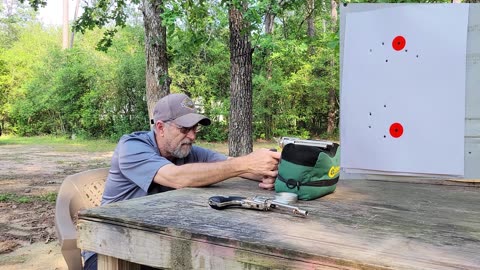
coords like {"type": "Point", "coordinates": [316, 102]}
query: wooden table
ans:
{"type": "Point", "coordinates": [363, 225]}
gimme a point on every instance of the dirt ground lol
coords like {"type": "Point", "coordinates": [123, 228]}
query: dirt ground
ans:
{"type": "Point", "coordinates": [27, 231]}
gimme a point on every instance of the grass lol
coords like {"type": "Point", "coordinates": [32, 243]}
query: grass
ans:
{"type": "Point", "coordinates": [63, 144]}
{"type": "Point", "coordinates": [222, 147]}
{"type": "Point", "coordinates": [50, 197]}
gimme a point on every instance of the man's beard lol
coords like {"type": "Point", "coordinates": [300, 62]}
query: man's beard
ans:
{"type": "Point", "coordinates": [183, 149]}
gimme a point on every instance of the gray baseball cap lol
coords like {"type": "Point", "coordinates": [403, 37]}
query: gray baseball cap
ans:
{"type": "Point", "coordinates": [180, 109]}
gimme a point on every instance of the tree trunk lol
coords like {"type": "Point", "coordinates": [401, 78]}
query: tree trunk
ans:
{"type": "Point", "coordinates": [332, 93]}
{"type": "Point", "coordinates": [267, 116]}
{"type": "Point", "coordinates": [65, 25]}
{"type": "Point", "coordinates": [311, 24]}
{"type": "Point", "coordinates": [311, 18]}
{"type": "Point", "coordinates": [157, 79]}
{"type": "Point", "coordinates": [269, 18]}
{"type": "Point", "coordinates": [240, 126]}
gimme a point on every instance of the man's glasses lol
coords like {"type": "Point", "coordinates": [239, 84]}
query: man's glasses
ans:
{"type": "Point", "coordinates": [186, 130]}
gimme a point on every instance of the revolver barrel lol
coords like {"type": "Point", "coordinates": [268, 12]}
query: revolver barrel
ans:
{"type": "Point", "coordinates": [272, 204]}
{"type": "Point", "coordinates": [288, 208]}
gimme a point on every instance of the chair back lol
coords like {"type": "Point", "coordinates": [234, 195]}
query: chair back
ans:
{"type": "Point", "coordinates": [78, 191]}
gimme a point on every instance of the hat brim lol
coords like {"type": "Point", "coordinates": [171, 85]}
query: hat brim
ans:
{"type": "Point", "coordinates": [191, 119]}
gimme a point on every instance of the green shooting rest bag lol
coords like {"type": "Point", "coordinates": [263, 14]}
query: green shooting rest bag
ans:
{"type": "Point", "coordinates": [308, 171]}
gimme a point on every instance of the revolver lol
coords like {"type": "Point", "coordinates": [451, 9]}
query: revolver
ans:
{"type": "Point", "coordinates": [257, 203]}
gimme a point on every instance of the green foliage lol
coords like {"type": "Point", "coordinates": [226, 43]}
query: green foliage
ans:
{"type": "Point", "coordinates": [18, 63]}
{"type": "Point", "coordinates": [11, 197]}
{"type": "Point", "coordinates": [5, 197]}
{"type": "Point", "coordinates": [201, 67]}
{"type": "Point", "coordinates": [130, 111]}
{"type": "Point", "coordinates": [293, 77]}
{"type": "Point", "coordinates": [78, 92]}
{"type": "Point", "coordinates": [36, 3]}
{"type": "Point", "coordinates": [50, 197]}
{"type": "Point", "coordinates": [12, 23]}
{"type": "Point", "coordinates": [84, 93]}
{"type": "Point", "coordinates": [99, 15]}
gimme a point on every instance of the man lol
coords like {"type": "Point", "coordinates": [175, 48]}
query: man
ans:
{"type": "Point", "coordinates": [165, 158]}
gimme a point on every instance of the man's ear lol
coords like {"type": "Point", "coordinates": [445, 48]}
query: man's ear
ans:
{"type": "Point", "coordinates": [160, 126]}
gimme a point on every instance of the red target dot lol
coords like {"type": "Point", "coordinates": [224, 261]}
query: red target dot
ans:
{"type": "Point", "coordinates": [396, 130]}
{"type": "Point", "coordinates": [399, 43]}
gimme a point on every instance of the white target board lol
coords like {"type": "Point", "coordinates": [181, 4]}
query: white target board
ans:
{"type": "Point", "coordinates": [403, 79]}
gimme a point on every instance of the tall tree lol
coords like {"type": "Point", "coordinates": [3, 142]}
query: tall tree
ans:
{"type": "Point", "coordinates": [267, 115]}
{"type": "Point", "coordinates": [311, 23]}
{"type": "Point", "coordinates": [332, 93]}
{"type": "Point", "coordinates": [157, 79]}
{"type": "Point", "coordinates": [240, 126]}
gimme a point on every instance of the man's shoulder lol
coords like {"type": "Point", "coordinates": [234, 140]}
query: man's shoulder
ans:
{"type": "Point", "coordinates": [137, 141]}
{"type": "Point", "coordinates": [145, 136]}
{"type": "Point", "coordinates": [199, 149]}
{"type": "Point", "coordinates": [205, 154]}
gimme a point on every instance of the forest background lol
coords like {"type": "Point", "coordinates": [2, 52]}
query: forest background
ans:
{"type": "Point", "coordinates": [95, 91]}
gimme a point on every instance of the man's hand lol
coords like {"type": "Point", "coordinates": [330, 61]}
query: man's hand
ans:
{"type": "Point", "coordinates": [267, 183]}
{"type": "Point", "coordinates": [262, 162]}
{"type": "Point", "coordinates": [264, 167]}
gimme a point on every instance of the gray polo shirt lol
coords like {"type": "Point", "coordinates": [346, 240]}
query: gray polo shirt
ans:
{"type": "Point", "coordinates": [135, 162]}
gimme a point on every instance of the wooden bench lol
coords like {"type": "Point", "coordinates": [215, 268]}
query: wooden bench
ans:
{"type": "Point", "coordinates": [363, 225]}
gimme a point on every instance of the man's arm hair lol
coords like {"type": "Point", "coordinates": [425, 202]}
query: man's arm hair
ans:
{"type": "Point", "coordinates": [255, 165]}
{"type": "Point", "coordinates": [250, 176]}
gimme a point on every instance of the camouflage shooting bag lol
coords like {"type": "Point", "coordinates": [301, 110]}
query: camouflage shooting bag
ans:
{"type": "Point", "coordinates": [308, 171]}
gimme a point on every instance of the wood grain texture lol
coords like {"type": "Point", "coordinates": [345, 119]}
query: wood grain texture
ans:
{"type": "Point", "coordinates": [363, 225]}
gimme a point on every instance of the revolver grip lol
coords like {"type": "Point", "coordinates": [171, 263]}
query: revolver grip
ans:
{"type": "Point", "coordinates": [222, 202]}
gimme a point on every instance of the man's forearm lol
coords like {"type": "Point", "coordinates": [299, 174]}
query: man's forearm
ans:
{"type": "Point", "coordinates": [199, 174]}
{"type": "Point", "coordinates": [261, 162]}
{"type": "Point", "coordinates": [251, 176]}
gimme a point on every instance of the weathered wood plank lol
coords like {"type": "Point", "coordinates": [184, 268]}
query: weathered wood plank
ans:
{"type": "Point", "coordinates": [364, 223]}
{"type": "Point", "coordinates": [163, 251]}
